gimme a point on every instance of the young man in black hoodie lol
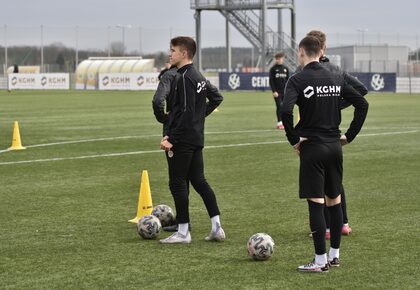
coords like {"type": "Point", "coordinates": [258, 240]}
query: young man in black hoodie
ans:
{"type": "Point", "coordinates": [279, 74]}
{"type": "Point", "coordinates": [192, 100]}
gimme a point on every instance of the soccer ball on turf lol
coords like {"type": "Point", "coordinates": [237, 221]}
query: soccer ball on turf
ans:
{"type": "Point", "coordinates": [149, 227]}
{"type": "Point", "coordinates": [260, 246]}
{"type": "Point", "coordinates": [165, 214]}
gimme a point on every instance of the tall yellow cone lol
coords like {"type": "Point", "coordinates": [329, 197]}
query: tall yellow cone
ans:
{"type": "Point", "coordinates": [145, 205]}
{"type": "Point", "coordinates": [16, 143]}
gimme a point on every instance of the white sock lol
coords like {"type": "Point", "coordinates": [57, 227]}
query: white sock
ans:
{"type": "Point", "coordinates": [183, 229]}
{"type": "Point", "coordinates": [215, 222]}
{"type": "Point", "coordinates": [334, 253]}
{"type": "Point", "coordinates": [321, 259]}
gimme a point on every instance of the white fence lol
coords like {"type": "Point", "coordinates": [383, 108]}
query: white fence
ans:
{"type": "Point", "coordinates": [57, 81]}
{"type": "Point", "coordinates": [404, 85]}
{"type": "Point", "coordinates": [408, 85]}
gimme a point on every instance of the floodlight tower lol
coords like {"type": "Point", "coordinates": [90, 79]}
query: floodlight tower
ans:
{"type": "Point", "coordinates": [249, 18]}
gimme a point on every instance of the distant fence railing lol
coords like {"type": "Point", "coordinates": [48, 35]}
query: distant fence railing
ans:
{"type": "Point", "coordinates": [402, 85]}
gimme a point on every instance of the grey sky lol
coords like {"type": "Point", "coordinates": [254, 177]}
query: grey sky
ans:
{"type": "Point", "coordinates": [154, 22]}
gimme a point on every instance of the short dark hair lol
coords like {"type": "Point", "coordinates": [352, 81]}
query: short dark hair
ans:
{"type": "Point", "coordinates": [311, 45]}
{"type": "Point", "coordinates": [279, 55]}
{"type": "Point", "coordinates": [187, 43]}
{"type": "Point", "coordinates": [322, 37]}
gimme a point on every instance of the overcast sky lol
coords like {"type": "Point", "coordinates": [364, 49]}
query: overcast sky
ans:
{"type": "Point", "coordinates": [150, 24]}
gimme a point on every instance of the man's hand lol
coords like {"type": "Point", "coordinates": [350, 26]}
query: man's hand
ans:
{"type": "Point", "coordinates": [275, 94]}
{"type": "Point", "coordinates": [297, 145]}
{"type": "Point", "coordinates": [165, 144]}
{"type": "Point", "coordinates": [343, 140]}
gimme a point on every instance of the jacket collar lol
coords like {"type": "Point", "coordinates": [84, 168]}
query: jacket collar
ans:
{"type": "Point", "coordinates": [184, 68]}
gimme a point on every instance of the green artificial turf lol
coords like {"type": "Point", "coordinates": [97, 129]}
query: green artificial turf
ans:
{"type": "Point", "coordinates": [64, 205]}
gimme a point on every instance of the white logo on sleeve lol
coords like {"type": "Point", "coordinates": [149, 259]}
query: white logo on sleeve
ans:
{"type": "Point", "coordinates": [308, 92]}
{"type": "Point", "coordinates": [377, 82]}
{"type": "Point", "coordinates": [234, 81]}
{"type": "Point", "coordinates": [201, 87]}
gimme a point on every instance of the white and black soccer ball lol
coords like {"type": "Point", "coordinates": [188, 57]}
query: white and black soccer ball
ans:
{"type": "Point", "coordinates": [149, 227]}
{"type": "Point", "coordinates": [260, 246]}
{"type": "Point", "coordinates": [165, 214]}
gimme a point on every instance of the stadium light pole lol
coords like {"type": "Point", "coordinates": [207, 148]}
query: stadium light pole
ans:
{"type": "Point", "coordinates": [5, 49]}
{"type": "Point", "coordinates": [140, 41]}
{"type": "Point", "coordinates": [109, 41]}
{"type": "Point", "coordinates": [362, 33]}
{"type": "Point", "coordinates": [42, 48]}
{"type": "Point", "coordinates": [123, 27]}
{"type": "Point", "coordinates": [77, 47]}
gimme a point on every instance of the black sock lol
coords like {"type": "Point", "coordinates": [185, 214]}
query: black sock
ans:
{"type": "Point", "coordinates": [336, 214]}
{"type": "Point", "coordinates": [344, 207]}
{"type": "Point", "coordinates": [327, 217]}
{"type": "Point", "coordinates": [317, 224]}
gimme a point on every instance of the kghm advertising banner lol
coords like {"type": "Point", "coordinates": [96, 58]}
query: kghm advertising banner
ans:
{"type": "Point", "coordinates": [45, 81]}
{"type": "Point", "coordinates": [244, 81]}
{"type": "Point", "coordinates": [128, 81]}
{"type": "Point", "coordinates": [378, 82]}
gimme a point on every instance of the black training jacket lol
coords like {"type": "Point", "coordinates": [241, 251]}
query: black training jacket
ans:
{"type": "Point", "coordinates": [193, 99]}
{"type": "Point", "coordinates": [351, 80]}
{"type": "Point", "coordinates": [279, 74]}
{"type": "Point", "coordinates": [162, 94]}
{"type": "Point", "coordinates": [318, 93]}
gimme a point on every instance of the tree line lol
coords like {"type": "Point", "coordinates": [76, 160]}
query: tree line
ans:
{"type": "Point", "coordinates": [59, 58]}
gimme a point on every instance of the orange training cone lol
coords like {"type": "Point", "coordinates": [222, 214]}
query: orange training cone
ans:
{"type": "Point", "coordinates": [16, 143]}
{"type": "Point", "coordinates": [145, 205]}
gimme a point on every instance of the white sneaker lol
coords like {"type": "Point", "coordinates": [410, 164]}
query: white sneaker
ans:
{"type": "Point", "coordinates": [218, 235]}
{"type": "Point", "coordinates": [177, 238]}
{"type": "Point", "coordinates": [314, 267]}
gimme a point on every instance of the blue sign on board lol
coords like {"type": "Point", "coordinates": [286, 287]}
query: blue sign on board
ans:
{"type": "Point", "coordinates": [378, 82]}
{"type": "Point", "coordinates": [244, 81]}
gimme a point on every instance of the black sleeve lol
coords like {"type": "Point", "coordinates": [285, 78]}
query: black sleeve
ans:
{"type": "Point", "coordinates": [186, 97]}
{"type": "Point", "coordinates": [214, 97]}
{"type": "Point", "coordinates": [271, 80]}
{"type": "Point", "coordinates": [161, 94]}
{"type": "Point", "coordinates": [356, 84]}
{"type": "Point", "coordinates": [290, 98]}
{"type": "Point", "coordinates": [360, 111]}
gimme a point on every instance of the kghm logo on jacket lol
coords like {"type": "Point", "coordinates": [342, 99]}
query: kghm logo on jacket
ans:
{"type": "Point", "coordinates": [322, 91]}
{"type": "Point", "coordinates": [308, 92]}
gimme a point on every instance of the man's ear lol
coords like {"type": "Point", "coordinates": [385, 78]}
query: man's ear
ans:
{"type": "Point", "coordinates": [301, 52]}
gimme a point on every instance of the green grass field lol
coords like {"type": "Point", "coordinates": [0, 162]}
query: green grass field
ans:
{"type": "Point", "coordinates": [64, 205]}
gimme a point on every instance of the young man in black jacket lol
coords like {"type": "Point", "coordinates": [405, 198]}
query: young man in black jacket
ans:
{"type": "Point", "coordinates": [358, 86]}
{"type": "Point", "coordinates": [317, 140]}
{"type": "Point", "coordinates": [279, 74]}
{"type": "Point", "coordinates": [184, 140]}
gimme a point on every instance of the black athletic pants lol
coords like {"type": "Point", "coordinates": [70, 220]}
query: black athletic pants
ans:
{"type": "Point", "coordinates": [187, 164]}
{"type": "Point", "coordinates": [279, 102]}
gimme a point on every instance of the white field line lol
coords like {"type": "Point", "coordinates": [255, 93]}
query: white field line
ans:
{"type": "Point", "coordinates": [133, 137]}
{"type": "Point", "coordinates": [160, 151]}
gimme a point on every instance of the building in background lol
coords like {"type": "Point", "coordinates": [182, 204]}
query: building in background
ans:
{"type": "Point", "coordinates": [373, 58]}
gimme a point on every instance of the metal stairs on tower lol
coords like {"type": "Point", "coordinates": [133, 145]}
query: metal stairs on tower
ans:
{"type": "Point", "coordinates": [248, 17]}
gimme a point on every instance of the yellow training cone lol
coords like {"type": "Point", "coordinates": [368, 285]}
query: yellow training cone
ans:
{"type": "Point", "coordinates": [16, 143]}
{"type": "Point", "coordinates": [145, 205]}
